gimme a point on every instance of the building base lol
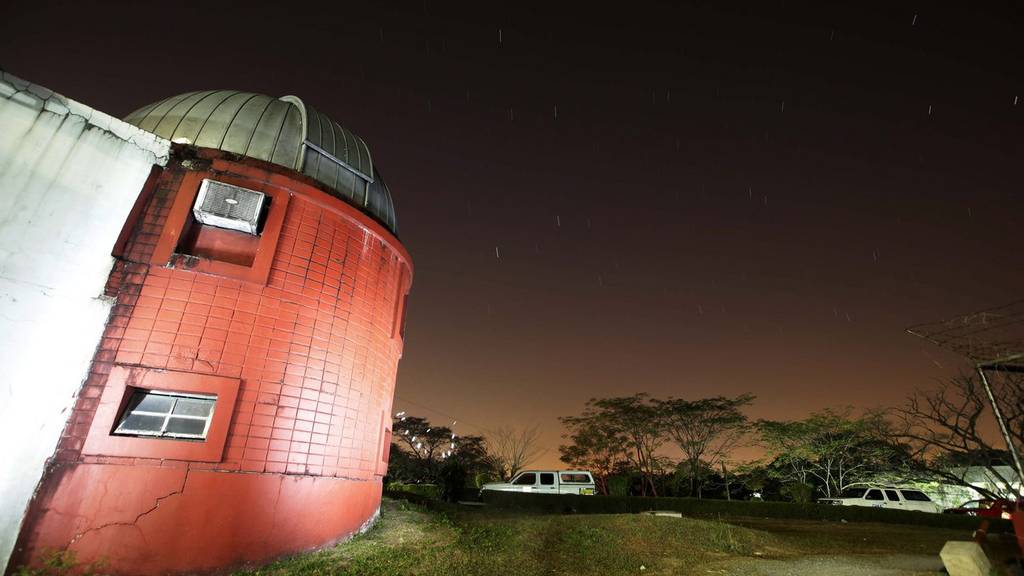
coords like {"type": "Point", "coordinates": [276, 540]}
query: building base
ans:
{"type": "Point", "coordinates": [159, 520]}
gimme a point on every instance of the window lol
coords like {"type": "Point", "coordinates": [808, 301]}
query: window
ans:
{"type": "Point", "coordinates": [547, 478]}
{"type": "Point", "coordinates": [167, 415]}
{"type": "Point", "coordinates": [387, 446]}
{"type": "Point", "coordinates": [874, 495]}
{"type": "Point", "coordinates": [915, 496]}
{"type": "Point", "coordinates": [575, 478]}
{"type": "Point", "coordinates": [528, 479]}
{"type": "Point", "coordinates": [853, 493]}
{"type": "Point", "coordinates": [119, 400]}
{"type": "Point", "coordinates": [892, 495]}
{"type": "Point", "coordinates": [402, 321]}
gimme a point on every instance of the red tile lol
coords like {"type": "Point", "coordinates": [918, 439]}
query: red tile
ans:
{"type": "Point", "coordinates": [128, 357]}
{"type": "Point", "coordinates": [158, 348]}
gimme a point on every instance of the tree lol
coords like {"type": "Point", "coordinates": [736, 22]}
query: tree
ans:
{"type": "Point", "coordinates": [471, 453]}
{"type": "Point", "coordinates": [706, 430]}
{"type": "Point", "coordinates": [452, 480]}
{"type": "Point", "coordinates": [595, 445]}
{"type": "Point", "coordinates": [684, 477]}
{"type": "Point", "coordinates": [424, 443]}
{"type": "Point", "coordinates": [948, 433]}
{"type": "Point", "coordinates": [419, 449]}
{"type": "Point", "coordinates": [786, 444]}
{"type": "Point", "coordinates": [753, 477]}
{"type": "Point", "coordinates": [638, 421]}
{"type": "Point", "coordinates": [512, 449]}
{"type": "Point", "coordinates": [832, 448]}
{"type": "Point", "coordinates": [403, 467]}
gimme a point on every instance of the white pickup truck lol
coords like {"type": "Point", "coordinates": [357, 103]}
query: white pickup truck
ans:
{"type": "Point", "coordinates": [547, 482]}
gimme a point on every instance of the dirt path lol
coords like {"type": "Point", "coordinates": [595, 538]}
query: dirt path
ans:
{"type": "Point", "coordinates": [874, 565]}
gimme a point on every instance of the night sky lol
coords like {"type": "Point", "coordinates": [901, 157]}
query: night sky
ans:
{"type": "Point", "coordinates": [686, 200]}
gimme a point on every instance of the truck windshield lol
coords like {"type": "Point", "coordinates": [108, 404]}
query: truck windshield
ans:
{"type": "Point", "coordinates": [853, 493]}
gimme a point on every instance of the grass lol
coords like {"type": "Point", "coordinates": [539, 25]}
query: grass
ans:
{"type": "Point", "coordinates": [452, 541]}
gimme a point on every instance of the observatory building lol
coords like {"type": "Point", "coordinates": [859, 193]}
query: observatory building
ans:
{"type": "Point", "coordinates": [201, 318]}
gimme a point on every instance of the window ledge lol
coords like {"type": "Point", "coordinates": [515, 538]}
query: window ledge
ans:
{"type": "Point", "coordinates": [181, 210]}
{"type": "Point", "coordinates": [121, 383]}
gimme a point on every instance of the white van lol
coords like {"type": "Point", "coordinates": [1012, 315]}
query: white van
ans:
{"type": "Point", "coordinates": [885, 497]}
{"type": "Point", "coordinates": [547, 482]}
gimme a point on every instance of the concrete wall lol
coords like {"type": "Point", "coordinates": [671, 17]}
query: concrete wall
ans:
{"type": "Point", "coordinates": [69, 176]}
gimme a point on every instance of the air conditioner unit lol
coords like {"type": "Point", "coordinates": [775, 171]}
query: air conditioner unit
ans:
{"type": "Point", "coordinates": [227, 206]}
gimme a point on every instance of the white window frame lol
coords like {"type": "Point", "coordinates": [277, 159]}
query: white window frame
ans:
{"type": "Point", "coordinates": [121, 430]}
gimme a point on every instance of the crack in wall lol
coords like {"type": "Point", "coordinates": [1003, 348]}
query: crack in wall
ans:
{"type": "Point", "coordinates": [133, 523]}
{"type": "Point", "coordinates": [273, 517]}
{"type": "Point", "coordinates": [62, 106]}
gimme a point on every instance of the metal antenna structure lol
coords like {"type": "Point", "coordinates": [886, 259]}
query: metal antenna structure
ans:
{"type": "Point", "coordinates": [993, 340]}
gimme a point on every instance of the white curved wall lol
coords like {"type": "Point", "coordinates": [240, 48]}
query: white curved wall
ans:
{"type": "Point", "coordinates": [69, 175]}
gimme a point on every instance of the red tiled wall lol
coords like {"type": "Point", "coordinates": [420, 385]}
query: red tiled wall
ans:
{"type": "Point", "coordinates": [314, 347]}
{"type": "Point", "coordinates": [316, 350]}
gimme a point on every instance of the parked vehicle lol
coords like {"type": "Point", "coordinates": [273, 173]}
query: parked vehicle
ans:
{"type": "Point", "coordinates": [884, 497]}
{"type": "Point", "coordinates": [547, 482]}
{"type": "Point", "coordinates": [984, 508]}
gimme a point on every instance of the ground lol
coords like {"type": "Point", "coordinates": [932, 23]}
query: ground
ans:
{"type": "Point", "coordinates": [409, 540]}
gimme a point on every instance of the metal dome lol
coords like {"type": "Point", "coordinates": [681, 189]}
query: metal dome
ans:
{"type": "Point", "coordinates": [285, 131]}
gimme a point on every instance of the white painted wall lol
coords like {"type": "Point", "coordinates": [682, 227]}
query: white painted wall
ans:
{"type": "Point", "coordinates": [69, 175]}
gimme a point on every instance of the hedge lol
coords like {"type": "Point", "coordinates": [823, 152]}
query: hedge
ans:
{"type": "Point", "coordinates": [419, 499]}
{"type": "Point", "coordinates": [423, 492]}
{"type": "Point", "coordinates": [427, 490]}
{"type": "Point", "coordinates": [699, 508]}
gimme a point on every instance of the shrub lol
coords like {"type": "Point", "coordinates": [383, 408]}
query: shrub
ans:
{"type": "Point", "coordinates": [453, 481]}
{"type": "Point", "coordinates": [486, 477]}
{"type": "Point", "coordinates": [61, 563]}
{"type": "Point", "coordinates": [799, 492]}
{"type": "Point", "coordinates": [426, 490]}
{"type": "Point", "coordinates": [618, 486]}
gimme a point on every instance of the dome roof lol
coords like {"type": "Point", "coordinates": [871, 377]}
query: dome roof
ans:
{"type": "Point", "coordinates": [285, 131]}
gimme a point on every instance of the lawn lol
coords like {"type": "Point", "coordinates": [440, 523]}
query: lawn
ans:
{"type": "Point", "coordinates": [410, 540]}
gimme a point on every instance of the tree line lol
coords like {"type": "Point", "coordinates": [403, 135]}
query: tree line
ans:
{"type": "Point", "coordinates": [938, 434]}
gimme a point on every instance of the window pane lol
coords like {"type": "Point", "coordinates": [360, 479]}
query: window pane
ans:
{"type": "Point", "coordinates": [874, 495]}
{"type": "Point", "coordinates": [141, 423]}
{"type": "Point", "coordinates": [547, 479]}
{"type": "Point", "coordinates": [190, 426]}
{"type": "Point", "coordinates": [148, 413]}
{"type": "Point", "coordinates": [526, 480]}
{"type": "Point", "coordinates": [193, 406]}
{"type": "Point", "coordinates": [853, 493]}
{"type": "Point", "coordinates": [575, 478]}
{"type": "Point", "coordinates": [916, 496]}
{"type": "Point", "coordinates": [892, 495]}
{"type": "Point", "coordinates": [146, 402]}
